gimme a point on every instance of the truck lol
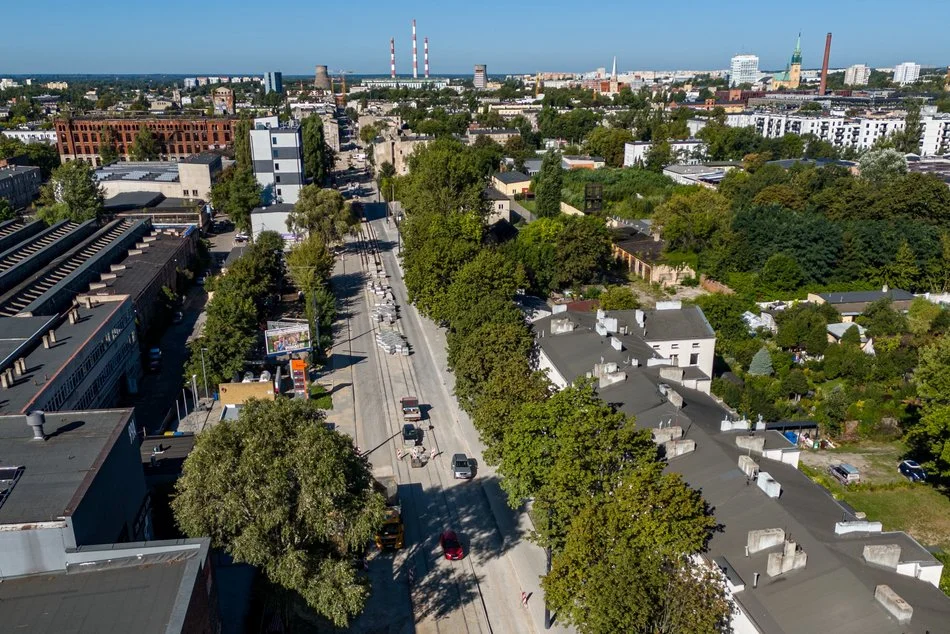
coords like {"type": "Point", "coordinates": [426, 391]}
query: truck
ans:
{"type": "Point", "coordinates": [391, 534]}
{"type": "Point", "coordinates": [410, 409]}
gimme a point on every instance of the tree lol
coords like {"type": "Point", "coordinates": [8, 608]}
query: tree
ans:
{"type": "Point", "coordinates": [72, 193]}
{"type": "Point", "coordinates": [658, 156]}
{"type": "Point", "coordinates": [922, 315]}
{"type": "Point", "coordinates": [931, 376]}
{"type": "Point", "coordinates": [242, 143]}
{"type": "Point", "coordinates": [930, 438]}
{"type": "Point", "coordinates": [549, 183]}
{"type": "Point", "coordinates": [902, 272]}
{"type": "Point", "coordinates": [143, 145]}
{"type": "Point", "coordinates": [489, 275]}
{"type": "Point", "coordinates": [6, 211]}
{"type": "Point", "coordinates": [691, 219]}
{"type": "Point", "coordinates": [624, 568]}
{"type": "Point", "coordinates": [781, 273]}
{"type": "Point", "coordinates": [244, 194]}
{"type": "Point", "coordinates": [107, 150]}
{"type": "Point", "coordinates": [880, 167]}
{"type": "Point", "coordinates": [795, 383]}
{"type": "Point", "coordinates": [314, 149]}
{"type": "Point", "coordinates": [618, 298]}
{"type": "Point", "coordinates": [608, 143]}
{"type": "Point", "coordinates": [309, 263]}
{"type": "Point", "coordinates": [278, 490]}
{"type": "Point", "coordinates": [474, 356]}
{"type": "Point", "coordinates": [582, 250]}
{"type": "Point", "coordinates": [323, 212]}
{"type": "Point", "coordinates": [761, 363]}
{"type": "Point", "coordinates": [907, 140]}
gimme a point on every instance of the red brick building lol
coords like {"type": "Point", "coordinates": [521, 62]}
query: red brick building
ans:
{"type": "Point", "coordinates": [175, 138]}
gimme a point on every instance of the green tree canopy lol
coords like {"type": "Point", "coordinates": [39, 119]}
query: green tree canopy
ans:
{"type": "Point", "coordinates": [690, 220]}
{"type": "Point", "coordinates": [278, 490]}
{"type": "Point", "coordinates": [315, 151]}
{"type": "Point", "coordinates": [548, 187]}
{"type": "Point", "coordinates": [322, 212]}
{"type": "Point", "coordinates": [107, 150]}
{"type": "Point", "coordinates": [618, 298]}
{"type": "Point", "coordinates": [72, 193]}
{"type": "Point", "coordinates": [143, 147]}
{"type": "Point", "coordinates": [761, 363]}
{"type": "Point", "coordinates": [608, 143]}
{"type": "Point", "coordinates": [880, 167]}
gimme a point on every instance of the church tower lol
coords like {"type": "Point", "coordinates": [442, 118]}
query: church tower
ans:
{"type": "Point", "coordinates": [614, 84]}
{"type": "Point", "coordinates": [795, 68]}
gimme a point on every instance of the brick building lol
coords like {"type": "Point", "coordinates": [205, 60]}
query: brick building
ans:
{"type": "Point", "coordinates": [175, 138]}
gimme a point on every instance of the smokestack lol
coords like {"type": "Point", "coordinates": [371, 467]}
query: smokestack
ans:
{"type": "Point", "coordinates": [824, 66]}
{"type": "Point", "coordinates": [36, 419]}
{"type": "Point", "coordinates": [392, 57]}
{"type": "Point", "coordinates": [425, 56]}
{"type": "Point", "coordinates": [415, 53]}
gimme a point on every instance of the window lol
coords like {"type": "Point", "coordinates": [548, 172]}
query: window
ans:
{"type": "Point", "coordinates": [194, 193]}
{"type": "Point", "coordinates": [277, 178]}
{"type": "Point", "coordinates": [278, 191]}
{"type": "Point", "coordinates": [274, 140]}
{"type": "Point", "coordinates": [674, 346]}
{"type": "Point", "coordinates": [275, 153]}
{"type": "Point", "coordinates": [695, 344]}
{"type": "Point", "coordinates": [694, 358]}
{"type": "Point", "coordinates": [276, 167]}
{"type": "Point", "coordinates": [185, 192]}
{"type": "Point", "coordinates": [675, 359]}
{"type": "Point", "coordinates": [656, 346]}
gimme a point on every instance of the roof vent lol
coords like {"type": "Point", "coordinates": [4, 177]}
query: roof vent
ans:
{"type": "Point", "coordinates": [36, 419]}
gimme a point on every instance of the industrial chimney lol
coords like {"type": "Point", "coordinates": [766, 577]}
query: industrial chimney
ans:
{"type": "Point", "coordinates": [415, 53]}
{"type": "Point", "coordinates": [321, 80]}
{"type": "Point", "coordinates": [425, 56]}
{"type": "Point", "coordinates": [392, 57]}
{"type": "Point", "coordinates": [824, 66]}
{"type": "Point", "coordinates": [36, 419]}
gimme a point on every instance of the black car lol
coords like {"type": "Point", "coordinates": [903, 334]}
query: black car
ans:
{"type": "Point", "coordinates": [912, 471]}
{"type": "Point", "coordinates": [410, 435]}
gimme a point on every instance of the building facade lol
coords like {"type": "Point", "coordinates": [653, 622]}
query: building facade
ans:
{"type": "Point", "coordinates": [223, 99]}
{"type": "Point", "coordinates": [175, 138]}
{"type": "Point", "coordinates": [857, 75]}
{"type": "Point", "coordinates": [273, 82]}
{"type": "Point", "coordinates": [743, 69]}
{"type": "Point", "coordinates": [481, 76]}
{"type": "Point", "coordinates": [686, 151]}
{"type": "Point", "coordinates": [31, 136]}
{"type": "Point", "coordinates": [792, 76]}
{"type": "Point", "coordinates": [277, 157]}
{"type": "Point", "coordinates": [906, 73]}
{"type": "Point", "coordinates": [19, 185]}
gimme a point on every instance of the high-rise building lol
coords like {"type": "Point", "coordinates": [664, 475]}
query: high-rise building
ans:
{"type": "Point", "coordinates": [906, 73]}
{"type": "Point", "coordinates": [857, 75]}
{"type": "Point", "coordinates": [481, 76]}
{"type": "Point", "coordinates": [743, 69]}
{"type": "Point", "coordinates": [277, 156]}
{"type": "Point", "coordinates": [273, 82]}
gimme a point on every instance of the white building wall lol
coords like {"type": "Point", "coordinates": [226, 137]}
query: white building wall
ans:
{"type": "Point", "coordinates": [545, 365]}
{"type": "Point", "coordinates": [743, 69]}
{"type": "Point", "coordinates": [634, 154]}
{"type": "Point", "coordinates": [683, 349]}
{"type": "Point", "coordinates": [32, 136]}
{"type": "Point", "coordinates": [857, 75]}
{"type": "Point", "coordinates": [906, 73]}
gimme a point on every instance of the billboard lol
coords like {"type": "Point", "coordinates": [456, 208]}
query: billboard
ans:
{"type": "Point", "coordinates": [287, 340]}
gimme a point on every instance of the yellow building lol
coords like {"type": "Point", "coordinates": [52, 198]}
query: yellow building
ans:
{"type": "Point", "coordinates": [792, 76]}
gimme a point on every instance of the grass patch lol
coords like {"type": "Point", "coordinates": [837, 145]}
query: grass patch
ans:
{"type": "Point", "coordinates": [319, 394]}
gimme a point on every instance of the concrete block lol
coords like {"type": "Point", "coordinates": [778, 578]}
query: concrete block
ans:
{"type": "Point", "coordinates": [748, 466]}
{"type": "Point", "coordinates": [764, 538]}
{"type": "Point", "coordinates": [768, 484]}
{"type": "Point", "coordinates": [859, 526]}
{"type": "Point", "coordinates": [667, 434]}
{"type": "Point", "coordinates": [752, 443]}
{"type": "Point", "coordinates": [610, 323]}
{"type": "Point", "coordinates": [791, 558]}
{"type": "Point", "coordinates": [893, 603]}
{"type": "Point", "coordinates": [559, 326]}
{"type": "Point", "coordinates": [672, 373]}
{"type": "Point", "coordinates": [675, 398]}
{"type": "Point", "coordinates": [675, 448]}
{"type": "Point", "coordinates": [732, 425]}
{"type": "Point", "coordinates": [887, 555]}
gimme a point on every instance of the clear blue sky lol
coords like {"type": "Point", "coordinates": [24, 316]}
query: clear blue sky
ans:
{"type": "Point", "coordinates": [214, 36]}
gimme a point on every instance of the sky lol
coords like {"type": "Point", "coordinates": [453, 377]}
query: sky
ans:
{"type": "Point", "coordinates": [527, 36]}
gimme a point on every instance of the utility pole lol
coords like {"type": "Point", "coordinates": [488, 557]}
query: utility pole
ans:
{"type": "Point", "coordinates": [194, 390]}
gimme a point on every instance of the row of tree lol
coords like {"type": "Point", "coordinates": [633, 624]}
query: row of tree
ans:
{"type": "Point", "coordinates": [601, 501]}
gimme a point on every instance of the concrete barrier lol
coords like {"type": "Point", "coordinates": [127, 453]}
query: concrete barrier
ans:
{"type": "Point", "coordinates": [667, 434]}
{"type": "Point", "coordinates": [764, 538]}
{"type": "Point", "coordinates": [893, 603]}
{"type": "Point", "coordinates": [791, 558]}
{"type": "Point", "coordinates": [752, 443]}
{"type": "Point", "coordinates": [679, 447]}
{"type": "Point", "coordinates": [887, 555]}
{"type": "Point", "coordinates": [748, 466]}
{"type": "Point", "coordinates": [768, 484]}
{"type": "Point", "coordinates": [859, 526]}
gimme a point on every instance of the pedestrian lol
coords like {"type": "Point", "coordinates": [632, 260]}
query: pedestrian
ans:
{"type": "Point", "coordinates": [524, 599]}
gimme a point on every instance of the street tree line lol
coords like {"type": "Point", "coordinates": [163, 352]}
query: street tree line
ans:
{"type": "Point", "coordinates": [600, 498]}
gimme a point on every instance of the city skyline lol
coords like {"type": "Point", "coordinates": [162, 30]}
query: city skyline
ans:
{"type": "Point", "coordinates": [532, 38]}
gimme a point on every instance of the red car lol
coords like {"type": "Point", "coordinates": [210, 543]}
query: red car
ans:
{"type": "Point", "coordinates": [451, 546]}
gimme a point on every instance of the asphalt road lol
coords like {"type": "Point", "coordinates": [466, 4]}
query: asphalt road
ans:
{"type": "Point", "coordinates": [482, 593]}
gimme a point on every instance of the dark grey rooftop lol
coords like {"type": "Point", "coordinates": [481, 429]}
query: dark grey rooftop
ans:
{"type": "Point", "coordinates": [512, 177]}
{"type": "Point", "coordinates": [13, 171]}
{"type": "Point", "coordinates": [855, 297]}
{"type": "Point", "coordinates": [132, 200]}
{"type": "Point", "coordinates": [17, 333]}
{"type": "Point", "coordinates": [43, 364]}
{"type": "Point", "coordinates": [57, 469]}
{"type": "Point", "coordinates": [284, 208]}
{"type": "Point", "coordinates": [490, 193]}
{"type": "Point", "coordinates": [141, 269]}
{"type": "Point", "coordinates": [141, 587]}
{"type": "Point", "coordinates": [177, 204]}
{"type": "Point", "coordinates": [234, 255]}
{"type": "Point", "coordinates": [204, 158]}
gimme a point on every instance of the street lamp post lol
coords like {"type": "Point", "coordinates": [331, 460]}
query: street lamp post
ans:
{"type": "Point", "coordinates": [204, 373]}
{"type": "Point", "coordinates": [194, 390]}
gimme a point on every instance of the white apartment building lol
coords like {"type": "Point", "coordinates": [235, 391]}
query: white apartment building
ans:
{"type": "Point", "coordinates": [857, 132]}
{"type": "Point", "coordinates": [857, 75]}
{"type": "Point", "coordinates": [906, 73]}
{"type": "Point", "coordinates": [277, 156]}
{"type": "Point", "coordinates": [32, 136]}
{"type": "Point", "coordinates": [743, 69]}
{"type": "Point", "coordinates": [685, 152]}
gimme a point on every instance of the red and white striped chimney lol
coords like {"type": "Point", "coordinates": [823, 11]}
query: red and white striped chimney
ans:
{"type": "Point", "coordinates": [392, 57]}
{"type": "Point", "coordinates": [415, 53]}
{"type": "Point", "coordinates": [425, 56]}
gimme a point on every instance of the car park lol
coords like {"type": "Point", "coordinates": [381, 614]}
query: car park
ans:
{"type": "Point", "coordinates": [451, 546]}
{"type": "Point", "coordinates": [912, 471]}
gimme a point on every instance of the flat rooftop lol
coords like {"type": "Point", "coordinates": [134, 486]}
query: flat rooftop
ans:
{"type": "Point", "coordinates": [140, 587]}
{"type": "Point", "coordinates": [141, 269]}
{"type": "Point", "coordinates": [44, 364]}
{"type": "Point", "coordinates": [13, 171]}
{"type": "Point", "coordinates": [152, 171]}
{"type": "Point", "coordinates": [57, 470]}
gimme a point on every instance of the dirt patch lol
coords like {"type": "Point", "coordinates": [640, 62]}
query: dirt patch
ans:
{"type": "Point", "coordinates": [877, 463]}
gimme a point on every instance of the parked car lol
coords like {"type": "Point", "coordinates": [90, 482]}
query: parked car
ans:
{"type": "Point", "coordinates": [410, 435]}
{"type": "Point", "coordinates": [178, 317]}
{"type": "Point", "coordinates": [845, 474]}
{"type": "Point", "coordinates": [451, 546]}
{"type": "Point", "coordinates": [462, 467]}
{"type": "Point", "coordinates": [912, 471]}
{"type": "Point", "coordinates": [154, 359]}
